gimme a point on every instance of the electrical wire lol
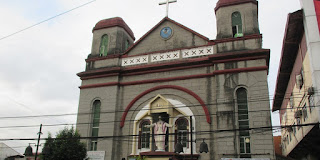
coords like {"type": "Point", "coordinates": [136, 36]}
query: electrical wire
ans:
{"type": "Point", "coordinates": [104, 112]}
{"type": "Point", "coordinates": [195, 132]}
{"type": "Point", "coordinates": [105, 122]}
{"type": "Point", "coordinates": [19, 31]}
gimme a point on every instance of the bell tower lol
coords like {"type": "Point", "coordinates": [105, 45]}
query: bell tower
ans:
{"type": "Point", "coordinates": [236, 18]}
{"type": "Point", "coordinates": [111, 36]}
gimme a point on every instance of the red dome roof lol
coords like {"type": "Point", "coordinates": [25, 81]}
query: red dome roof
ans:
{"type": "Point", "coordinates": [223, 3]}
{"type": "Point", "coordinates": [113, 22]}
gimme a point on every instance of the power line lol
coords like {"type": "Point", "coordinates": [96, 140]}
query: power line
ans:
{"type": "Point", "coordinates": [105, 122]}
{"type": "Point", "coordinates": [194, 132]}
{"type": "Point", "coordinates": [104, 112]}
{"type": "Point", "coordinates": [130, 140]}
{"type": "Point", "coordinates": [14, 33]}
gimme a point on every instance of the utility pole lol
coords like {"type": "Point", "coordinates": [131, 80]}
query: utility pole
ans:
{"type": "Point", "coordinates": [191, 128]}
{"type": "Point", "coordinates": [35, 157]}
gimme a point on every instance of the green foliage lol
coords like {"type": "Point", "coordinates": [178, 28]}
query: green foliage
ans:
{"type": "Point", "coordinates": [140, 158]}
{"type": "Point", "coordinates": [66, 146]}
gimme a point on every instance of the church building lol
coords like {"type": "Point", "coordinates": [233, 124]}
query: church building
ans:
{"type": "Point", "coordinates": [174, 94]}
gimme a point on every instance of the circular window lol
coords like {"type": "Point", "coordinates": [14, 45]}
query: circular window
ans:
{"type": "Point", "coordinates": [166, 32]}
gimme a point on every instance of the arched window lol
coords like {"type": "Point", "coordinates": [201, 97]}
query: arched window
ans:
{"type": "Point", "coordinates": [243, 119]}
{"type": "Point", "coordinates": [104, 45]}
{"type": "Point", "coordinates": [144, 135]}
{"type": "Point", "coordinates": [236, 24]}
{"type": "Point", "coordinates": [182, 131]}
{"type": "Point", "coordinates": [127, 44]}
{"type": "Point", "coordinates": [95, 124]}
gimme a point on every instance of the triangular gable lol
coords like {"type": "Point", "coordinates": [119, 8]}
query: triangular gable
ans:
{"type": "Point", "coordinates": [160, 104]}
{"type": "Point", "coordinates": [182, 37]}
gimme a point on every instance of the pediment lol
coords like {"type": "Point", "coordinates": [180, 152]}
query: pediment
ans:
{"type": "Point", "coordinates": [160, 104]}
{"type": "Point", "coordinates": [156, 40]}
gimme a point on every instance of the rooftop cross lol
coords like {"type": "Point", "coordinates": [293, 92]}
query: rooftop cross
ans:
{"type": "Point", "coordinates": [167, 4]}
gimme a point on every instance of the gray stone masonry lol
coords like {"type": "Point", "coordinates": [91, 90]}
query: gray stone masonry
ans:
{"type": "Point", "coordinates": [249, 16]}
{"type": "Point", "coordinates": [117, 37]}
{"type": "Point", "coordinates": [181, 38]}
{"type": "Point", "coordinates": [203, 78]}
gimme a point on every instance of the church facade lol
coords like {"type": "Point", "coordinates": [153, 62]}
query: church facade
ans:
{"type": "Point", "coordinates": [211, 91]}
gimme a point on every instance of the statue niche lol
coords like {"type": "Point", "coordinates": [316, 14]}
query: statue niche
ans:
{"type": "Point", "coordinates": [160, 111]}
{"type": "Point", "coordinates": [158, 125]}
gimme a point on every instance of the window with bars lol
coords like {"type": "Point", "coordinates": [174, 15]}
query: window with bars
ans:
{"type": "Point", "coordinates": [291, 100]}
{"type": "Point", "coordinates": [95, 124]}
{"type": "Point", "coordinates": [243, 119]}
{"type": "Point", "coordinates": [144, 135]}
{"type": "Point", "coordinates": [182, 131]}
{"type": "Point", "coordinates": [299, 123]}
{"type": "Point", "coordinates": [104, 45]}
{"type": "Point", "coordinates": [305, 112]}
{"type": "Point", "coordinates": [311, 102]}
{"type": "Point", "coordinates": [236, 24]}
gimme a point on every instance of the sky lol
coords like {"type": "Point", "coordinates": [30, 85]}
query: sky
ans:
{"type": "Point", "coordinates": [42, 50]}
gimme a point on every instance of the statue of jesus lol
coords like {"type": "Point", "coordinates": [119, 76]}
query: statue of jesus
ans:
{"type": "Point", "coordinates": [160, 130]}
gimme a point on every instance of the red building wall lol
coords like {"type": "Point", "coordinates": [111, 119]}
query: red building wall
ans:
{"type": "Point", "coordinates": [317, 8]}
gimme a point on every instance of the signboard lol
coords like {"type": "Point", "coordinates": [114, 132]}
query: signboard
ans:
{"type": "Point", "coordinates": [95, 155]}
{"type": "Point", "coordinates": [245, 158]}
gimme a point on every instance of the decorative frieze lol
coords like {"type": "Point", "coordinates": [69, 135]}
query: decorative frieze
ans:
{"type": "Point", "coordinates": [165, 56]}
{"type": "Point", "coordinates": [195, 52]}
{"type": "Point", "coordinates": [135, 60]}
{"type": "Point", "coordinates": [157, 57]}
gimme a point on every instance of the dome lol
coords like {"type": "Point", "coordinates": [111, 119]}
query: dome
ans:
{"type": "Point", "coordinates": [224, 3]}
{"type": "Point", "coordinates": [113, 22]}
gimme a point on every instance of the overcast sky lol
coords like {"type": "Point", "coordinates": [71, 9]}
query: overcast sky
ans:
{"type": "Point", "coordinates": [38, 66]}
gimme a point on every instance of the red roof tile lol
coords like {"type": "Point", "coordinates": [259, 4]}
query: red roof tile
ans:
{"type": "Point", "coordinates": [224, 3]}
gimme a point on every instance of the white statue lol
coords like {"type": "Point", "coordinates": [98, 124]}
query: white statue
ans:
{"type": "Point", "coordinates": [160, 130]}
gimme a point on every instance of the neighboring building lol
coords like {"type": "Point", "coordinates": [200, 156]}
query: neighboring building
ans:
{"type": "Point", "coordinates": [297, 89]}
{"type": "Point", "coordinates": [6, 151]}
{"type": "Point", "coordinates": [278, 149]}
{"type": "Point", "coordinates": [216, 89]}
{"type": "Point", "coordinates": [277, 145]}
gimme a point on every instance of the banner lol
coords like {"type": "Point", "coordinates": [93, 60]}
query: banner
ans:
{"type": "Point", "coordinates": [95, 155]}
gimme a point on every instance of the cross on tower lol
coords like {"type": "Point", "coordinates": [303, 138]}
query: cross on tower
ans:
{"type": "Point", "coordinates": [167, 4]}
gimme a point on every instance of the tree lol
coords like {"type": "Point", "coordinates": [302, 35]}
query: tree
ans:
{"type": "Point", "coordinates": [66, 146]}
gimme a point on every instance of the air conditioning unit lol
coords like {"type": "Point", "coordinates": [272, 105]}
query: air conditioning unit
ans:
{"type": "Point", "coordinates": [298, 114]}
{"type": "Point", "coordinates": [311, 91]}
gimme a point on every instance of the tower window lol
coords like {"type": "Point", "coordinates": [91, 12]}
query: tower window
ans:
{"type": "Point", "coordinates": [127, 45]}
{"type": "Point", "coordinates": [243, 119]}
{"type": "Point", "coordinates": [104, 45]}
{"type": "Point", "coordinates": [236, 24]}
{"type": "Point", "coordinates": [95, 124]}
